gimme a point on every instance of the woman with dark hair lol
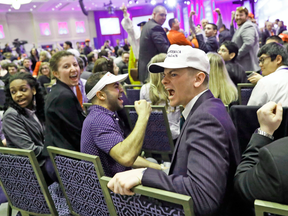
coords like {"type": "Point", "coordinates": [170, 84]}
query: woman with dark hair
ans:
{"type": "Point", "coordinates": [34, 56]}
{"type": "Point", "coordinates": [23, 120]}
{"type": "Point", "coordinates": [105, 64]}
{"type": "Point", "coordinates": [63, 112]}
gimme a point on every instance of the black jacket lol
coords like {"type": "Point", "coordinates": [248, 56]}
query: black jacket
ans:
{"type": "Point", "coordinates": [153, 41]}
{"type": "Point", "coordinates": [236, 72]}
{"type": "Point", "coordinates": [211, 44]}
{"type": "Point", "coordinates": [262, 173]}
{"type": "Point", "coordinates": [225, 36]}
{"type": "Point", "coordinates": [64, 118]}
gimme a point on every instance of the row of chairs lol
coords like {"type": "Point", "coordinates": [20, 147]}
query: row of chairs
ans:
{"type": "Point", "coordinates": [158, 138]}
{"type": "Point", "coordinates": [82, 188]}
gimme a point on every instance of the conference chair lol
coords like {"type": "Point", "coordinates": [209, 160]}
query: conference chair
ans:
{"type": "Point", "coordinates": [158, 138]}
{"type": "Point", "coordinates": [78, 176]}
{"type": "Point", "coordinates": [244, 92]}
{"type": "Point", "coordinates": [246, 122]}
{"type": "Point", "coordinates": [25, 187]}
{"type": "Point", "coordinates": [271, 208]}
{"type": "Point", "coordinates": [2, 97]}
{"type": "Point", "coordinates": [85, 187]}
{"type": "Point", "coordinates": [132, 92]}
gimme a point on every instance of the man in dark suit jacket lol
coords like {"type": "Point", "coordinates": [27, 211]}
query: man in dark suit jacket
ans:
{"type": "Point", "coordinates": [206, 153]}
{"type": "Point", "coordinates": [211, 45]}
{"type": "Point", "coordinates": [267, 33]}
{"type": "Point", "coordinates": [224, 34]}
{"type": "Point", "coordinates": [153, 41]}
{"type": "Point", "coordinates": [262, 173]}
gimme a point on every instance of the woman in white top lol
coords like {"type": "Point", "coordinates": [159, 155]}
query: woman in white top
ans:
{"type": "Point", "coordinates": [155, 93]}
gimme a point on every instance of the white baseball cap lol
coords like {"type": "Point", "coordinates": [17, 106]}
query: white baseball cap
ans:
{"type": "Point", "coordinates": [182, 57]}
{"type": "Point", "coordinates": [107, 79]}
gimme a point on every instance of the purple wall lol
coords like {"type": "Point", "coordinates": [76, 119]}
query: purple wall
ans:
{"type": "Point", "coordinates": [226, 9]}
{"type": "Point", "coordinates": [134, 12]}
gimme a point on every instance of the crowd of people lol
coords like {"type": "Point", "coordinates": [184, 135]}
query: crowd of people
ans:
{"type": "Point", "coordinates": [199, 73]}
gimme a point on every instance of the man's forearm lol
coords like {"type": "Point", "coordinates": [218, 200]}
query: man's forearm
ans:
{"type": "Point", "coordinates": [192, 25]}
{"type": "Point", "coordinates": [143, 163]}
{"type": "Point", "coordinates": [128, 150]}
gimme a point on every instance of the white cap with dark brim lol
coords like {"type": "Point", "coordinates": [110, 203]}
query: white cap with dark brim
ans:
{"type": "Point", "coordinates": [107, 79]}
{"type": "Point", "coordinates": [182, 57]}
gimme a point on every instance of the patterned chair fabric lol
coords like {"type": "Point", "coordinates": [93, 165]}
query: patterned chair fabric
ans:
{"type": "Point", "coordinates": [245, 95]}
{"type": "Point", "coordinates": [82, 186]}
{"type": "Point", "coordinates": [133, 95]}
{"type": "Point", "coordinates": [142, 206]}
{"type": "Point", "coordinates": [22, 187]}
{"type": "Point", "coordinates": [156, 138]}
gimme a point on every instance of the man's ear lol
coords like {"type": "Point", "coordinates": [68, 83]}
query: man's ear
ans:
{"type": "Point", "coordinates": [279, 59]}
{"type": "Point", "coordinates": [101, 95]}
{"type": "Point", "coordinates": [199, 79]}
{"type": "Point", "coordinates": [56, 74]}
{"type": "Point", "coordinates": [231, 56]}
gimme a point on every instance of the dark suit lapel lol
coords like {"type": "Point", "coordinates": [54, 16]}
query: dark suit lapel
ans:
{"type": "Point", "coordinates": [200, 100]}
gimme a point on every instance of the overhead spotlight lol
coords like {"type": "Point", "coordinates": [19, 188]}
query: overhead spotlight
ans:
{"type": "Point", "coordinates": [136, 1]}
{"type": "Point", "coordinates": [187, 2]}
{"type": "Point", "coordinates": [171, 3]}
{"type": "Point", "coordinates": [130, 2]}
{"type": "Point", "coordinates": [255, 1]}
{"type": "Point", "coordinates": [165, 2]}
{"type": "Point", "coordinates": [153, 2]}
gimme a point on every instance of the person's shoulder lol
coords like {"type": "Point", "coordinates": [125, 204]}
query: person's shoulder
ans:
{"type": "Point", "coordinates": [10, 111]}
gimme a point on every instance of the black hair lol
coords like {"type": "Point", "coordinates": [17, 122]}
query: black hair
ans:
{"type": "Point", "coordinates": [90, 56]}
{"type": "Point", "coordinates": [273, 49]}
{"type": "Point", "coordinates": [125, 52]}
{"type": "Point", "coordinates": [32, 82]}
{"type": "Point", "coordinates": [104, 64]}
{"type": "Point", "coordinates": [171, 22]}
{"type": "Point", "coordinates": [102, 53]}
{"type": "Point", "coordinates": [213, 26]}
{"type": "Point", "coordinates": [93, 80]}
{"type": "Point", "coordinates": [37, 54]}
{"type": "Point", "coordinates": [224, 26]}
{"type": "Point", "coordinates": [119, 52]}
{"type": "Point", "coordinates": [69, 44]}
{"type": "Point", "coordinates": [84, 58]}
{"type": "Point", "coordinates": [275, 38]}
{"type": "Point", "coordinates": [232, 48]}
{"type": "Point", "coordinates": [12, 65]}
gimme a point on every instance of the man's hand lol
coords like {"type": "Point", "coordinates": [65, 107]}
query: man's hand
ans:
{"type": "Point", "coordinates": [217, 10]}
{"type": "Point", "coordinates": [232, 15]}
{"type": "Point", "coordinates": [192, 13]}
{"type": "Point", "coordinates": [198, 30]}
{"type": "Point", "coordinates": [270, 117]}
{"type": "Point", "coordinates": [255, 78]}
{"type": "Point", "coordinates": [122, 182]}
{"type": "Point", "coordinates": [124, 9]}
{"type": "Point", "coordinates": [143, 108]}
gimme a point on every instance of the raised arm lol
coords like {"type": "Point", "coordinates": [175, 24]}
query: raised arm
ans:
{"type": "Point", "coordinates": [232, 29]}
{"type": "Point", "coordinates": [191, 22]}
{"type": "Point", "coordinates": [219, 21]}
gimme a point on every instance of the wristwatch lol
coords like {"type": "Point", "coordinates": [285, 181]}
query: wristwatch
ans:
{"type": "Point", "coordinates": [263, 133]}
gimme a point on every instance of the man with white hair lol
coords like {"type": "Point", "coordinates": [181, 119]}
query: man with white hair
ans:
{"type": "Point", "coordinates": [206, 153]}
{"type": "Point", "coordinates": [267, 33]}
{"type": "Point", "coordinates": [153, 41]}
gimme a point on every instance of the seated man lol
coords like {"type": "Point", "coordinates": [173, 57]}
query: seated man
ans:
{"type": "Point", "coordinates": [102, 133]}
{"type": "Point", "coordinates": [123, 64]}
{"type": "Point", "coordinates": [262, 173]}
{"type": "Point", "coordinates": [229, 52]}
{"type": "Point", "coordinates": [273, 60]}
{"type": "Point", "coordinates": [206, 153]}
{"type": "Point", "coordinates": [211, 45]}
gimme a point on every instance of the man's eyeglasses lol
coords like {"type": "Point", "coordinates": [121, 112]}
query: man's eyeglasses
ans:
{"type": "Point", "coordinates": [262, 59]}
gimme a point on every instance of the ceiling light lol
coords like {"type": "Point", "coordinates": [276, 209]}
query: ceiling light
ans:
{"type": "Point", "coordinates": [31, 9]}
{"type": "Point", "coordinates": [72, 8]}
{"type": "Point", "coordinates": [9, 10]}
{"type": "Point", "coordinates": [15, 3]}
{"type": "Point", "coordinates": [34, 6]}
{"type": "Point", "coordinates": [130, 2]}
{"type": "Point", "coordinates": [53, 9]}
{"type": "Point", "coordinates": [171, 3]}
{"type": "Point", "coordinates": [153, 2]}
{"type": "Point", "coordinates": [136, 1]}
